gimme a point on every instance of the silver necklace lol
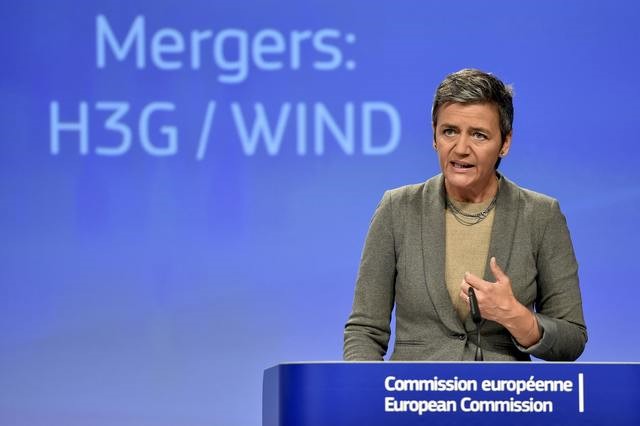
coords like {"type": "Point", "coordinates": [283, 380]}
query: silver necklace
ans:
{"type": "Point", "coordinates": [470, 219]}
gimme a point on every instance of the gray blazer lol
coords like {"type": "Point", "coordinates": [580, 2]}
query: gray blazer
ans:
{"type": "Point", "coordinates": [403, 265]}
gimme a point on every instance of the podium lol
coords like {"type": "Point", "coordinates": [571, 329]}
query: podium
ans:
{"type": "Point", "coordinates": [445, 393]}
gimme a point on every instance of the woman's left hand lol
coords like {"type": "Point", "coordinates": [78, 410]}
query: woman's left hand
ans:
{"type": "Point", "coordinates": [496, 302]}
{"type": "Point", "coordinates": [495, 299]}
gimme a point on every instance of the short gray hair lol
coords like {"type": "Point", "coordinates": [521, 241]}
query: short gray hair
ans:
{"type": "Point", "coordinates": [472, 86]}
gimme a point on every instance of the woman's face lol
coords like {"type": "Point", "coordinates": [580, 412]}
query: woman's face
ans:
{"type": "Point", "coordinates": [468, 141]}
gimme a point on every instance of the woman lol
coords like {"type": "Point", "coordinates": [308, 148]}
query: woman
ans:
{"type": "Point", "coordinates": [468, 227]}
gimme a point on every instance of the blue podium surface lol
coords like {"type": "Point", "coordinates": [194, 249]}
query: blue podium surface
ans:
{"type": "Point", "coordinates": [444, 393]}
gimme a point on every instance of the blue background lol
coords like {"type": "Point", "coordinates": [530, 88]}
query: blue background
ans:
{"type": "Point", "coordinates": [146, 290]}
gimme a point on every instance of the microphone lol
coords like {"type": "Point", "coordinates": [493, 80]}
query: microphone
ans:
{"type": "Point", "coordinates": [477, 319]}
{"type": "Point", "coordinates": [475, 310]}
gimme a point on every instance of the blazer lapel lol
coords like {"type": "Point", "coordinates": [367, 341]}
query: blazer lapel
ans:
{"type": "Point", "coordinates": [433, 250]}
{"type": "Point", "coordinates": [504, 227]}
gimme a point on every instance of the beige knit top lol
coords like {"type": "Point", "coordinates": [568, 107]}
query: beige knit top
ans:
{"type": "Point", "coordinates": [467, 248]}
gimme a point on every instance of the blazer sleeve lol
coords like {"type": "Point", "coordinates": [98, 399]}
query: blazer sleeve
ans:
{"type": "Point", "coordinates": [558, 302]}
{"type": "Point", "coordinates": [367, 331]}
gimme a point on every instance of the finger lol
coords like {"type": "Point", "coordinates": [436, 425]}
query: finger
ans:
{"type": "Point", "coordinates": [475, 282]}
{"type": "Point", "coordinates": [498, 273]}
{"type": "Point", "coordinates": [464, 297]}
{"type": "Point", "coordinates": [471, 279]}
{"type": "Point", "coordinates": [464, 287]}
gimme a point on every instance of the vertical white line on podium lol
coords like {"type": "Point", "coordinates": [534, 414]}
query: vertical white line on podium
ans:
{"type": "Point", "coordinates": [580, 392]}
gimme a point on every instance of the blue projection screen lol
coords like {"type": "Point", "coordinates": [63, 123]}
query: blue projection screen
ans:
{"type": "Point", "coordinates": [186, 186]}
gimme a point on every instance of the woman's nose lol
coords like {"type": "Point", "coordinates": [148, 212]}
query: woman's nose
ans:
{"type": "Point", "coordinates": [462, 145]}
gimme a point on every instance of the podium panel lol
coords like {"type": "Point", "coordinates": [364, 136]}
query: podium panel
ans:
{"type": "Point", "coordinates": [443, 393]}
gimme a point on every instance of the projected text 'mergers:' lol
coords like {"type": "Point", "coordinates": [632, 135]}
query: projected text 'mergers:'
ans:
{"type": "Point", "coordinates": [230, 52]}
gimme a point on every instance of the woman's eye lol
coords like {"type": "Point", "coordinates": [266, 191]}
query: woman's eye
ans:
{"type": "Point", "coordinates": [479, 136]}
